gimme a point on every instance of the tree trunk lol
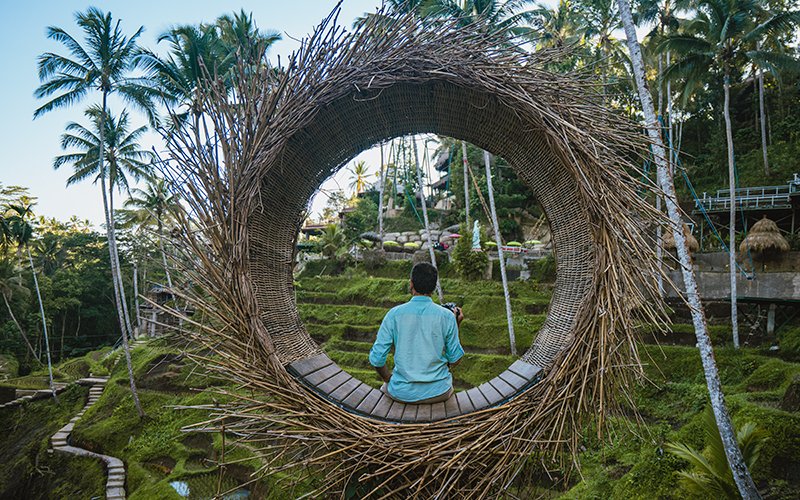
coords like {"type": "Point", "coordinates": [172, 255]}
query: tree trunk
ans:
{"type": "Point", "coordinates": [115, 264]}
{"type": "Point", "coordinates": [735, 459]}
{"type": "Point", "coordinates": [496, 226]}
{"type": "Point", "coordinates": [425, 218]}
{"type": "Point", "coordinates": [63, 329]}
{"type": "Point", "coordinates": [19, 327]}
{"type": "Point", "coordinates": [731, 213]}
{"type": "Point", "coordinates": [380, 197]}
{"type": "Point", "coordinates": [136, 299]}
{"type": "Point", "coordinates": [163, 252]}
{"type": "Point", "coordinates": [44, 324]}
{"type": "Point", "coordinates": [465, 162]}
{"type": "Point", "coordinates": [118, 275]}
{"type": "Point", "coordinates": [762, 113]}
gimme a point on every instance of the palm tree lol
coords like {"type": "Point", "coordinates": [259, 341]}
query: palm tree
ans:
{"type": "Point", "coordinates": [359, 176]}
{"type": "Point", "coordinates": [601, 20]}
{"type": "Point", "coordinates": [242, 38]}
{"type": "Point", "coordinates": [11, 284]}
{"type": "Point", "coordinates": [506, 17]}
{"type": "Point", "coordinates": [711, 477]}
{"type": "Point", "coordinates": [332, 242]}
{"type": "Point", "coordinates": [194, 51]}
{"type": "Point", "coordinates": [21, 231]}
{"type": "Point", "coordinates": [102, 63]}
{"type": "Point", "coordinates": [124, 158]}
{"type": "Point", "coordinates": [736, 461]}
{"type": "Point", "coordinates": [154, 204]}
{"type": "Point", "coordinates": [716, 41]}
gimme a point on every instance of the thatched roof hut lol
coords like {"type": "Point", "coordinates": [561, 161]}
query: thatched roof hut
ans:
{"type": "Point", "coordinates": [669, 239]}
{"type": "Point", "coordinates": [764, 238]}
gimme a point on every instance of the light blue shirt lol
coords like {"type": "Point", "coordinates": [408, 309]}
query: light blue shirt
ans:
{"type": "Point", "coordinates": [425, 339]}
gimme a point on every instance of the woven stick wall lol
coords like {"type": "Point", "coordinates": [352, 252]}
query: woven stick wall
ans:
{"type": "Point", "coordinates": [272, 141]}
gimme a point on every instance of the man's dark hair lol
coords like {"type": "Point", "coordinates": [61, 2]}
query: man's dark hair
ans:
{"type": "Point", "coordinates": [424, 275]}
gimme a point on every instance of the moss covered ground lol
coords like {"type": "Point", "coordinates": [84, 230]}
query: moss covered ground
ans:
{"type": "Point", "coordinates": [343, 313]}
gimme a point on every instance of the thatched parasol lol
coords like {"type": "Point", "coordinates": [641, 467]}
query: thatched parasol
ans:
{"type": "Point", "coordinates": [669, 239]}
{"type": "Point", "coordinates": [764, 239]}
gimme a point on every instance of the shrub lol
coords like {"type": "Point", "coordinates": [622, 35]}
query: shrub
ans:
{"type": "Point", "coordinates": [513, 244]}
{"type": "Point", "coordinates": [410, 247]}
{"type": "Point", "coordinates": [392, 246]}
{"type": "Point", "coordinates": [373, 259]}
{"type": "Point", "coordinates": [543, 270]}
{"type": "Point", "coordinates": [790, 344]}
{"type": "Point", "coordinates": [467, 263]}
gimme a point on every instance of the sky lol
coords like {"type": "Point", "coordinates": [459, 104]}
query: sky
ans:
{"type": "Point", "coordinates": [29, 146]}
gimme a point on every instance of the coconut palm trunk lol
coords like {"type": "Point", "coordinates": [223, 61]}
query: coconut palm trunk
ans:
{"type": "Point", "coordinates": [19, 327]}
{"type": "Point", "coordinates": [136, 299]}
{"type": "Point", "coordinates": [118, 274]}
{"type": "Point", "coordinates": [44, 323]}
{"type": "Point", "coordinates": [466, 180]}
{"type": "Point", "coordinates": [741, 474]}
{"type": "Point", "coordinates": [425, 218]}
{"type": "Point", "coordinates": [732, 212]}
{"type": "Point", "coordinates": [487, 162]}
{"type": "Point", "coordinates": [380, 196]}
{"type": "Point", "coordinates": [163, 250]}
{"type": "Point", "coordinates": [114, 260]}
{"type": "Point", "coordinates": [763, 116]}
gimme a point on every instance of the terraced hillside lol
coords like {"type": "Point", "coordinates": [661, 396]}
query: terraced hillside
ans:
{"type": "Point", "coordinates": [343, 314]}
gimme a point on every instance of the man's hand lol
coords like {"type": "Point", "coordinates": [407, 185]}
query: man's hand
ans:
{"type": "Point", "coordinates": [459, 316]}
{"type": "Point", "coordinates": [384, 373]}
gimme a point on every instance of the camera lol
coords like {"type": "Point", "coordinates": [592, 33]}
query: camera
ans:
{"type": "Point", "coordinates": [451, 306]}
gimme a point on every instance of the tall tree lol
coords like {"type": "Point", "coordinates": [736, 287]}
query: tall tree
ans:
{"type": "Point", "coordinates": [121, 158]}
{"type": "Point", "coordinates": [101, 63]}
{"type": "Point", "coordinates": [358, 176]}
{"type": "Point", "coordinates": [241, 38]}
{"type": "Point", "coordinates": [154, 205]}
{"type": "Point", "coordinates": [22, 232]}
{"type": "Point", "coordinates": [736, 461]}
{"type": "Point", "coordinates": [716, 41]}
{"type": "Point", "coordinates": [194, 52]}
{"type": "Point", "coordinates": [11, 284]}
{"type": "Point", "coordinates": [487, 163]}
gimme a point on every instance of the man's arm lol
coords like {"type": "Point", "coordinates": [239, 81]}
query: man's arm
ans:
{"type": "Point", "coordinates": [381, 347]}
{"type": "Point", "coordinates": [453, 349]}
{"type": "Point", "coordinates": [383, 372]}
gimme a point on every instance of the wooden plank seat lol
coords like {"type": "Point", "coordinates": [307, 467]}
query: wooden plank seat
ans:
{"type": "Point", "coordinates": [328, 380]}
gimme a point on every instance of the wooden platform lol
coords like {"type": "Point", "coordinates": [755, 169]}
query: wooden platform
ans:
{"type": "Point", "coordinates": [331, 382]}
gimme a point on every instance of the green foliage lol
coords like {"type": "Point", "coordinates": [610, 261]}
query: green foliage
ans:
{"type": "Point", "coordinates": [363, 218]}
{"type": "Point", "coordinates": [332, 243]}
{"type": "Point", "coordinates": [711, 476]}
{"type": "Point", "coordinates": [469, 264]}
{"type": "Point", "coordinates": [789, 340]}
{"type": "Point", "coordinates": [543, 270]}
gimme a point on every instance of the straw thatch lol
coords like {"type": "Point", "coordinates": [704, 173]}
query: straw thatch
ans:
{"type": "Point", "coordinates": [764, 239]}
{"type": "Point", "coordinates": [691, 241]}
{"type": "Point", "coordinates": [268, 144]}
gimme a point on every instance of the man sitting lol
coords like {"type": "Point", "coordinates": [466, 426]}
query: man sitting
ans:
{"type": "Point", "coordinates": [426, 345]}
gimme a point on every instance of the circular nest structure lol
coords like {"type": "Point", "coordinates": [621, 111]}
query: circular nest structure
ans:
{"type": "Point", "coordinates": [764, 239]}
{"type": "Point", "coordinates": [272, 141]}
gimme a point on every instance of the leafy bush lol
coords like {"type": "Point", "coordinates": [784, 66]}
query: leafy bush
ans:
{"type": "Point", "coordinates": [790, 344]}
{"type": "Point", "coordinates": [514, 244]}
{"type": "Point", "coordinates": [468, 264]}
{"type": "Point", "coordinates": [373, 259]}
{"type": "Point", "coordinates": [364, 218]}
{"type": "Point", "coordinates": [543, 270]}
{"type": "Point", "coordinates": [332, 243]}
{"type": "Point", "coordinates": [411, 246]}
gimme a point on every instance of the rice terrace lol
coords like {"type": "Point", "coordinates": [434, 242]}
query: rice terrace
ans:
{"type": "Point", "coordinates": [401, 249]}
